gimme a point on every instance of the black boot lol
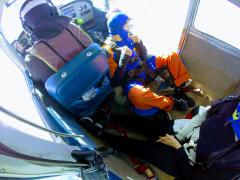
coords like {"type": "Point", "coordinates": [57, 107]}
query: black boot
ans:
{"type": "Point", "coordinates": [88, 124]}
{"type": "Point", "coordinates": [179, 94]}
{"type": "Point", "coordinates": [180, 104]}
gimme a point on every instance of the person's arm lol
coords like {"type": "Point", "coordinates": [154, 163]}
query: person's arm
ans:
{"type": "Point", "coordinates": [196, 121]}
{"type": "Point", "coordinates": [140, 47]}
{"type": "Point", "coordinates": [185, 169]}
{"type": "Point", "coordinates": [125, 56]}
{"type": "Point", "coordinates": [170, 141]}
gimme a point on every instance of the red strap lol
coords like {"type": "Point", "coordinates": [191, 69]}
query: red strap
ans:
{"type": "Point", "coordinates": [135, 161]}
{"type": "Point", "coordinates": [145, 169]}
{"type": "Point", "coordinates": [189, 116]}
{"type": "Point", "coordinates": [141, 168]}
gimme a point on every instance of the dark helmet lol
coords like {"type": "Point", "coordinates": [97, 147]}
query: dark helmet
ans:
{"type": "Point", "coordinates": [40, 18]}
{"type": "Point", "coordinates": [32, 11]}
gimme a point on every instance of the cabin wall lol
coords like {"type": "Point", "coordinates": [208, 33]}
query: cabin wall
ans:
{"type": "Point", "coordinates": [214, 70]}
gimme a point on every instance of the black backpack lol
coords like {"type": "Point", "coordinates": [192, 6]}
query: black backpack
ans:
{"type": "Point", "coordinates": [217, 136]}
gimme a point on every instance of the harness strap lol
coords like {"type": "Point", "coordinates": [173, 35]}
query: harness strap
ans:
{"type": "Point", "coordinates": [71, 33]}
{"type": "Point", "coordinates": [50, 47]}
{"type": "Point", "coordinates": [79, 42]}
{"type": "Point", "coordinates": [57, 53]}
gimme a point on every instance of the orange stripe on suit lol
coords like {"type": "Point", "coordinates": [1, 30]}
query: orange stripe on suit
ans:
{"type": "Point", "coordinates": [112, 64]}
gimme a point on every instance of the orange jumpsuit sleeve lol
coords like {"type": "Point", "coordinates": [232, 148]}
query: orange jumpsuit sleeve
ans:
{"type": "Point", "coordinates": [144, 99]}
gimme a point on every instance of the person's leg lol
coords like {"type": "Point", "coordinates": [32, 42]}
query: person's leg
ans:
{"type": "Point", "coordinates": [151, 127]}
{"type": "Point", "coordinates": [160, 155]}
{"type": "Point", "coordinates": [143, 98]}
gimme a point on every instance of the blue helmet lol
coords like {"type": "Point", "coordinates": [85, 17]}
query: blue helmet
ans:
{"type": "Point", "coordinates": [116, 22]}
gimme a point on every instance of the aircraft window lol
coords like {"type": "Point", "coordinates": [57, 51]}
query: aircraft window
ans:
{"type": "Point", "coordinates": [10, 17]}
{"type": "Point", "coordinates": [220, 19]}
{"type": "Point", "coordinates": [97, 3]}
{"type": "Point", "coordinates": [61, 2]}
{"type": "Point", "coordinates": [9, 3]}
{"type": "Point", "coordinates": [155, 23]}
{"type": "Point", "coordinates": [18, 100]}
{"type": "Point", "coordinates": [11, 24]}
{"type": "Point", "coordinates": [24, 107]}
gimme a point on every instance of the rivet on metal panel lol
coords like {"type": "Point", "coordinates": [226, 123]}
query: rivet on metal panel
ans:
{"type": "Point", "coordinates": [89, 54]}
{"type": "Point", "coordinates": [64, 74]}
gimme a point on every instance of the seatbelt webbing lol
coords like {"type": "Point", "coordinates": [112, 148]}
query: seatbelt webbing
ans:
{"type": "Point", "coordinates": [50, 47]}
{"type": "Point", "coordinates": [71, 33]}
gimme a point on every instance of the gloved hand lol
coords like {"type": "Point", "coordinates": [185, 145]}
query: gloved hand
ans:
{"type": "Point", "coordinates": [134, 38]}
{"type": "Point", "coordinates": [125, 57]}
{"type": "Point", "coordinates": [127, 51]}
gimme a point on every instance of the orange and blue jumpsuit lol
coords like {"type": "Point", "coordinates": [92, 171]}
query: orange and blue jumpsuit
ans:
{"type": "Point", "coordinates": [144, 101]}
{"type": "Point", "coordinates": [114, 71]}
{"type": "Point", "coordinates": [174, 64]}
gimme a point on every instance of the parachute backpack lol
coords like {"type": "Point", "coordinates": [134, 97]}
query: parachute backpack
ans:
{"type": "Point", "coordinates": [81, 80]}
{"type": "Point", "coordinates": [222, 118]}
{"type": "Point", "coordinates": [82, 84]}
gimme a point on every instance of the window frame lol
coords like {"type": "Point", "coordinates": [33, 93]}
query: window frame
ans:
{"type": "Point", "coordinates": [190, 29]}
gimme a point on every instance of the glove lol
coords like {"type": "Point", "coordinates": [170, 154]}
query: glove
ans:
{"type": "Point", "coordinates": [125, 57]}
